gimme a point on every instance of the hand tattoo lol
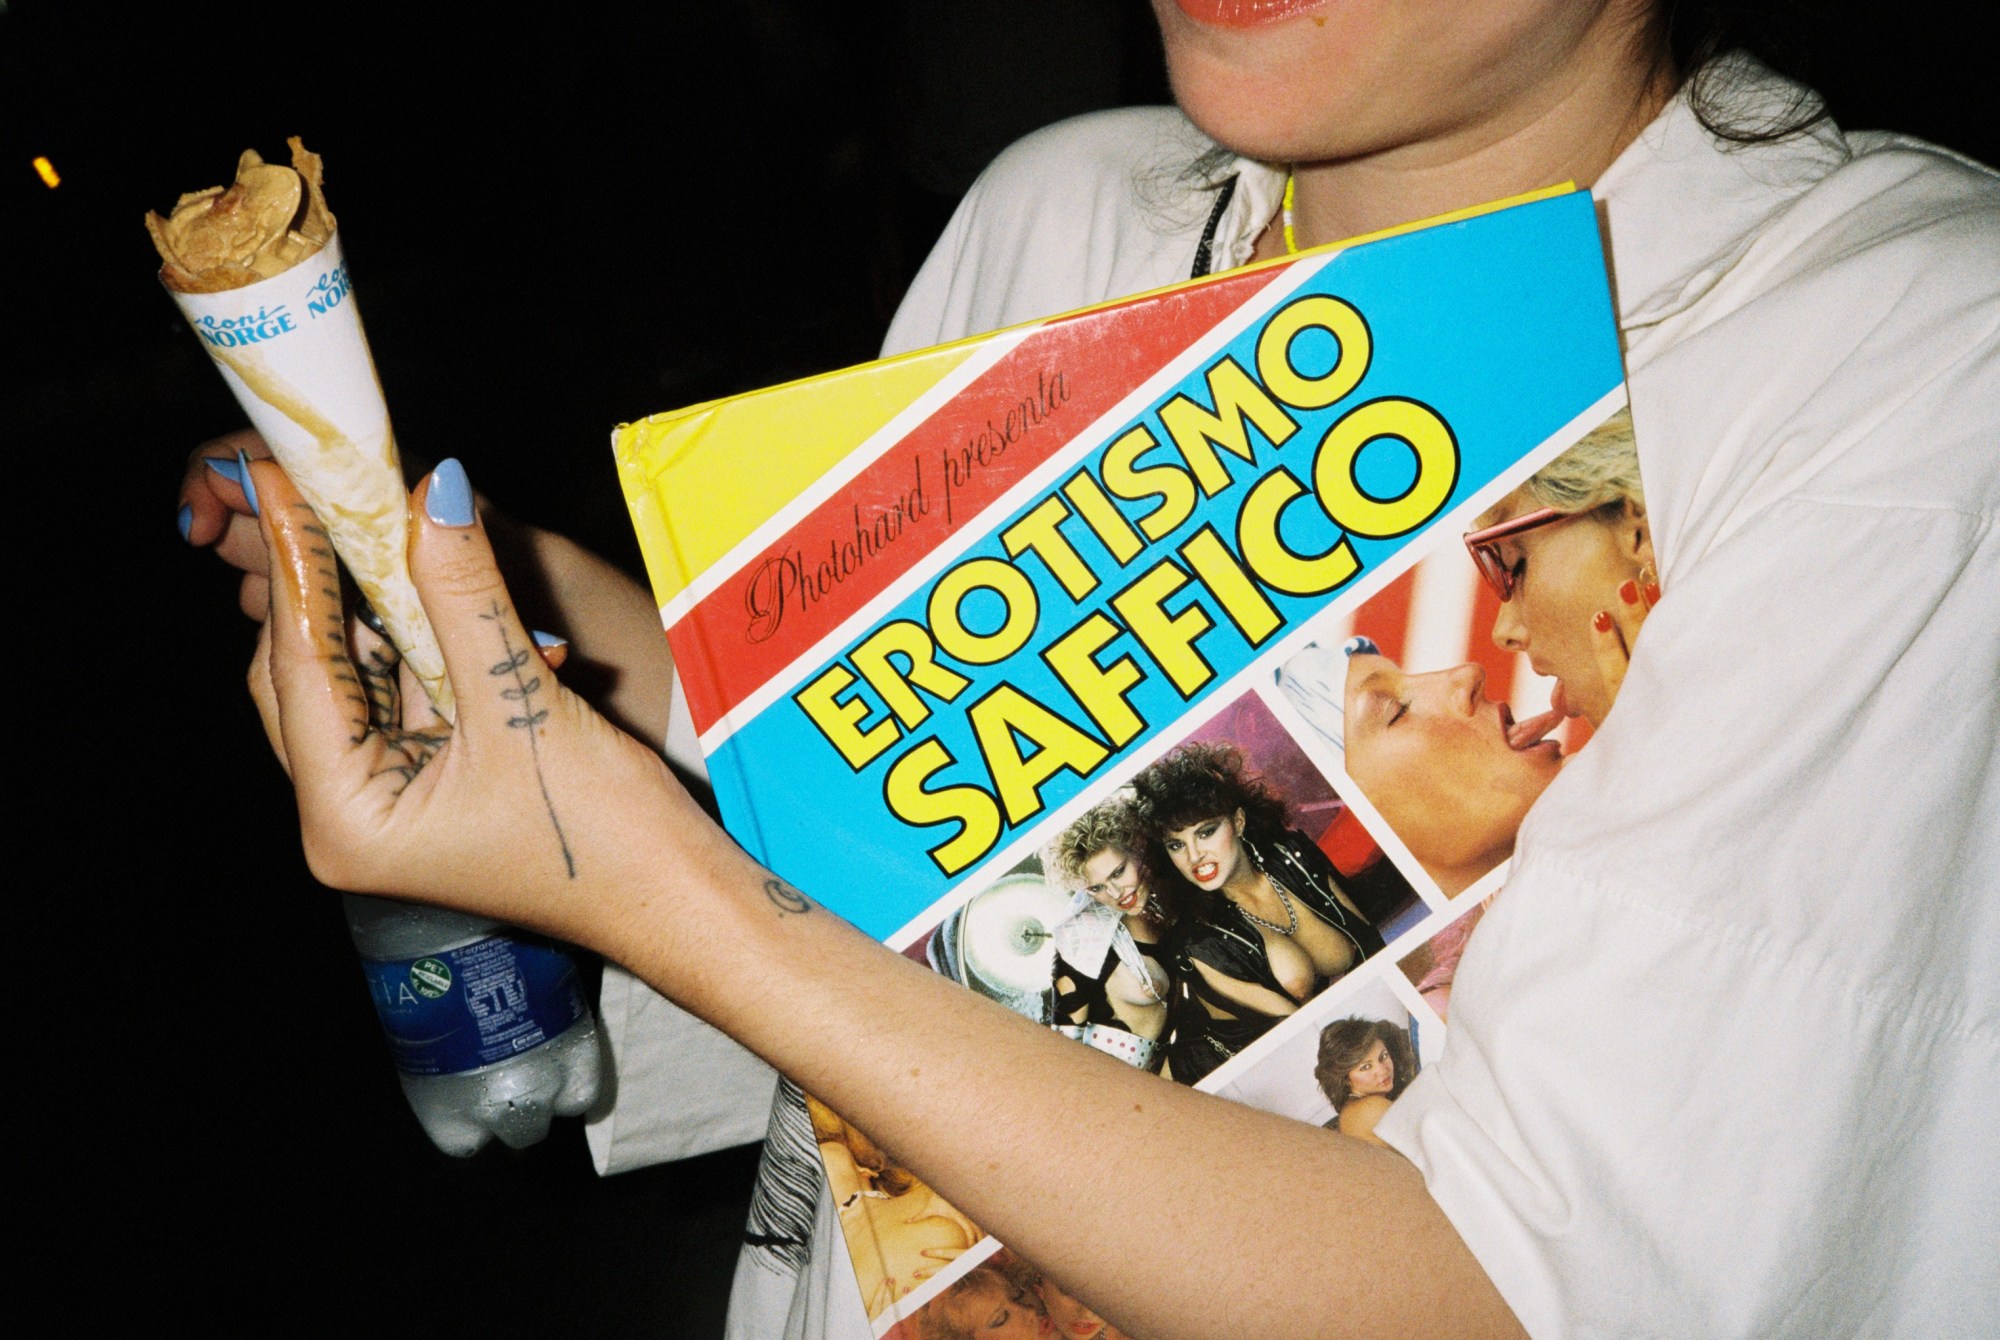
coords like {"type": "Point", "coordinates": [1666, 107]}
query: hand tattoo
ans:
{"type": "Point", "coordinates": [529, 716]}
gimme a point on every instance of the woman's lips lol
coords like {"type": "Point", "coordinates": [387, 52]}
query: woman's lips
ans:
{"type": "Point", "coordinates": [1204, 871]}
{"type": "Point", "coordinates": [1128, 901]}
{"type": "Point", "coordinates": [1245, 13]}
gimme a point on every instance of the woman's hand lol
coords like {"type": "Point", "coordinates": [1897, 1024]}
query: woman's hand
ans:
{"type": "Point", "coordinates": [1614, 631]}
{"type": "Point", "coordinates": [624, 668]}
{"type": "Point", "coordinates": [531, 805]}
{"type": "Point", "coordinates": [214, 511]}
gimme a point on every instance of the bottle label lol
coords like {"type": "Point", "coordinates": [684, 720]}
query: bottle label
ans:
{"type": "Point", "coordinates": [472, 1006]}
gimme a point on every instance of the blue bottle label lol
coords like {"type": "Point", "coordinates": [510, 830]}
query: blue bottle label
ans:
{"type": "Point", "coordinates": [469, 1007]}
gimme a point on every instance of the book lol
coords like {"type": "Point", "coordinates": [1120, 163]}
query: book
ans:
{"type": "Point", "coordinates": [932, 611]}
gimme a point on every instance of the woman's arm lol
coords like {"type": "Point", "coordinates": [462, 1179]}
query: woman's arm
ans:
{"type": "Point", "coordinates": [537, 811]}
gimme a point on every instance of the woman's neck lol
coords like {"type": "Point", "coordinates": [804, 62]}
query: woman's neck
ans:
{"type": "Point", "coordinates": [1248, 882]}
{"type": "Point", "coordinates": [1570, 133]}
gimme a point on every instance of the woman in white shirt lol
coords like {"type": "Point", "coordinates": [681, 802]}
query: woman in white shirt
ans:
{"type": "Point", "coordinates": [1849, 273]}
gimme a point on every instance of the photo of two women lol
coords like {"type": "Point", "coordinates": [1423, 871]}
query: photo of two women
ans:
{"type": "Point", "coordinates": [1176, 921]}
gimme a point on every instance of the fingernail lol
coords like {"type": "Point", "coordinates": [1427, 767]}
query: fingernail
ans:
{"type": "Point", "coordinates": [1652, 593]}
{"type": "Point", "coordinates": [1360, 646]}
{"type": "Point", "coordinates": [449, 499]}
{"type": "Point", "coordinates": [237, 472]}
{"type": "Point", "coordinates": [185, 520]}
{"type": "Point", "coordinates": [1628, 591]}
{"type": "Point", "coordinates": [549, 639]}
{"type": "Point", "coordinates": [249, 484]}
{"type": "Point", "coordinates": [1601, 620]}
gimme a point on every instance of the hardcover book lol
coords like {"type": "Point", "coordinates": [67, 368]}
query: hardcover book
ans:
{"type": "Point", "coordinates": [957, 628]}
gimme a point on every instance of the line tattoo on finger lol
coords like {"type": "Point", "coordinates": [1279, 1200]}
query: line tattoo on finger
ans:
{"type": "Point", "coordinates": [340, 665]}
{"type": "Point", "coordinates": [528, 717]}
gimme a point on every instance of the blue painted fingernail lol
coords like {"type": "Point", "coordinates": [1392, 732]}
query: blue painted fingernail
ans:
{"type": "Point", "coordinates": [185, 520]}
{"type": "Point", "coordinates": [236, 472]}
{"type": "Point", "coordinates": [449, 500]}
{"type": "Point", "coordinates": [1360, 646]}
{"type": "Point", "coordinates": [249, 484]}
{"type": "Point", "coordinates": [549, 639]}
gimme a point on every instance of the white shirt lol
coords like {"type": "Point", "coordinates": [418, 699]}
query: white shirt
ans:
{"type": "Point", "coordinates": [1722, 1060]}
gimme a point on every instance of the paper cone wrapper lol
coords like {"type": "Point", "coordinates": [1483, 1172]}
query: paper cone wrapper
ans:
{"type": "Point", "coordinates": [292, 350]}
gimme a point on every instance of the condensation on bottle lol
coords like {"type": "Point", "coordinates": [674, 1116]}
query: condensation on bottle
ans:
{"type": "Point", "coordinates": [487, 1024]}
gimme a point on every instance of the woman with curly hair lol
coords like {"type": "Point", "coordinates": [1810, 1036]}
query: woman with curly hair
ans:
{"type": "Point", "coordinates": [1111, 982]}
{"type": "Point", "coordinates": [1271, 923]}
{"type": "Point", "coordinates": [1364, 1065]}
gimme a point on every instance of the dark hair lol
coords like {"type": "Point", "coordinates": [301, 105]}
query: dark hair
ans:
{"type": "Point", "coordinates": [1694, 34]}
{"type": "Point", "coordinates": [1200, 781]}
{"type": "Point", "coordinates": [1345, 1044]}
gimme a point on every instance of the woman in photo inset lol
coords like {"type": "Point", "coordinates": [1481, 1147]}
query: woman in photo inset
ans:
{"type": "Point", "coordinates": [1364, 1065]}
{"type": "Point", "coordinates": [1570, 554]}
{"type": "Point", "coordinates": [991, 1301]}
{"type": "Point", "coordinates": [1111, 981]}
{"type": "Point", "coordinates": [1448, 769]}
{"type": "Point", "coordinates": [1271, 925]}
{"type": "Point", "coordinates": [899, 1232]}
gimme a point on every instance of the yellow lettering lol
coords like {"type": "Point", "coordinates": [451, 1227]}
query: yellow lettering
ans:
{"type": "Point", "coordinates": [1102, 689]}
{"type": "Point", "coordinates": [1058, 745]}
{"type": "Point", "coordinates": [839, 721]}
{"type": "Point", "coordinates": [905, 638]}
{"type": "Point", "coordinates": [1169, 483]}
{"type": "Point", "coordinates": [973, 809]}
{"type": "Point", "coordinates": [1274, 351]}
{"type": "Point", "coordinates": [1038, 532]}
{"type": "Point", "coordinates": [1005, 580]}
{"type": "Point", "coordinates": [1410, 422]}
{"type": "Point", "coordinates": [1242, 599]}
{"type": "Point", "coordinates": [1275, 563]}
{"type": "Point", "coordinates": [1106, 522]}
{"type": "Point", "coordinates": [1168, 639]}
{"type": "Point", "coordinates": [1239, 402]}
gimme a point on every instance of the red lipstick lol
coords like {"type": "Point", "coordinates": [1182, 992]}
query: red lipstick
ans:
{"type": "Point", "coordinates": [1244, 13]}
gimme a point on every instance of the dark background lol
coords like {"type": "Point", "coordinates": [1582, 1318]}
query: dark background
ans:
{"type": "Point", "coordinates": [555, 223]}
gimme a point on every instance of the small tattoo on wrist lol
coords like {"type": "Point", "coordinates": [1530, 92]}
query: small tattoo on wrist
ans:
{"type": "Point", "coordinates": [785, 898]}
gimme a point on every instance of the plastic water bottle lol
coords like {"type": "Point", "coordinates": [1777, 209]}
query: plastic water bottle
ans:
{"type": "Point", "coordinates": [487, 1025]}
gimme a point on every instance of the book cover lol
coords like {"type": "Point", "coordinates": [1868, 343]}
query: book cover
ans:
{"type": "Point", "coordinates": [948, 621]}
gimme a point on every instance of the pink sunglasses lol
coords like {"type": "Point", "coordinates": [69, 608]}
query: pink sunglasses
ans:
{"type": "Point", "coordinates": [1484, 546]}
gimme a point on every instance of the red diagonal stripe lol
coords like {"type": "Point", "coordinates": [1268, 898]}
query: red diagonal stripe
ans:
{"type": "Point", "coordinates": [1100, 357]}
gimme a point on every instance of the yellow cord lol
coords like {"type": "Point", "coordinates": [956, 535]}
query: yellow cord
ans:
{"type": "Point", "coordinates": [1291, 241]}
